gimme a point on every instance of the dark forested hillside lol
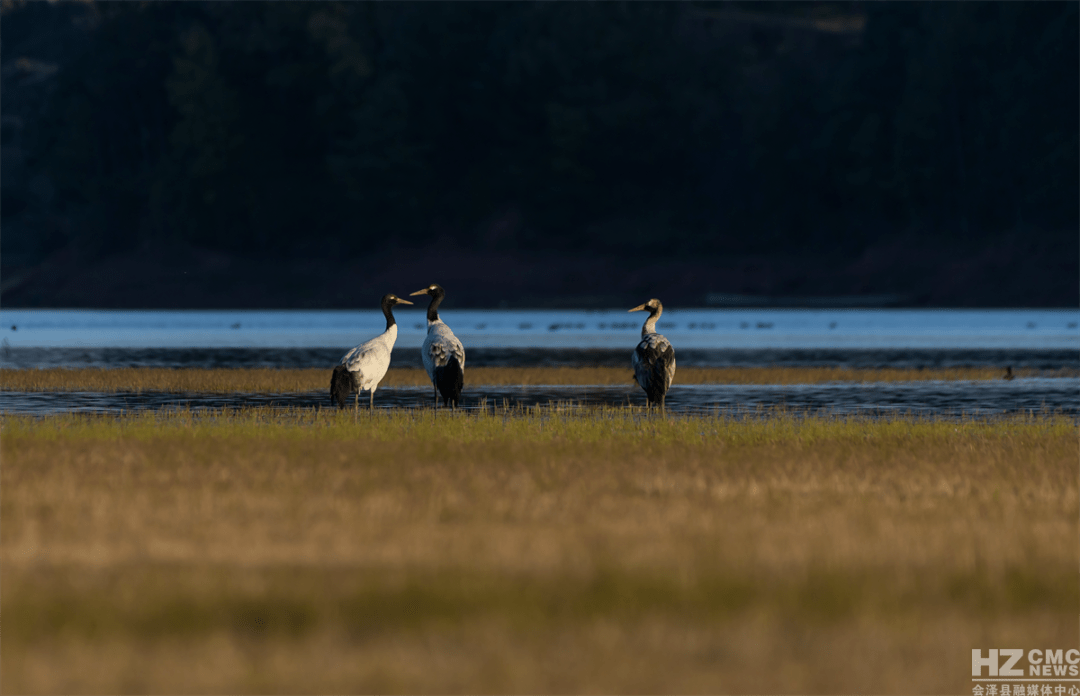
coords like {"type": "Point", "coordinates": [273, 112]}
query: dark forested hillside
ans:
{"type": "Point", "coordinates": [924, 150]}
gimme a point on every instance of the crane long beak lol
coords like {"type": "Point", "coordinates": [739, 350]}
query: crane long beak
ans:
{"type": "Point", "coordinates": [401, 301]}
{"type": "Point", "coordinates": [639, 308]}
{"type": "Point", "coordinates": [419, 292]}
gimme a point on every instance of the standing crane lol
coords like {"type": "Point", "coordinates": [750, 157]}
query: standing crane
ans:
{"type": "Point", "coordinates": [364, 366]}
{"type": "Point", "coordinates": [654, 357]}
{"type": "Point", "coordinates": [443, 355]}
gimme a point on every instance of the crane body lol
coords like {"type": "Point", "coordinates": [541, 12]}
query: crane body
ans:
{"type": "Point", "coordinates": [654, 358]}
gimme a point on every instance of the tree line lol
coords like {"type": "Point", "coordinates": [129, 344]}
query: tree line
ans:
{"type": "Point", "coordinates": [334, 129]}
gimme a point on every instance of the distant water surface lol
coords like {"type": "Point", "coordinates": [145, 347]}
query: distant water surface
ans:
{"type": "Point", "coordinates": [1039, 339]}
{"type": "Point", "coordinates": [709, 329]}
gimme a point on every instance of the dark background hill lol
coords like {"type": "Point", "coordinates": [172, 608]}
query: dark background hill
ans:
{"type": "Point", "coordinates": [286, 154]}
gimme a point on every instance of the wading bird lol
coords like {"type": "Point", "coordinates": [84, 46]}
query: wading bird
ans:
{"type": "Point", "coordinates": [444, 358]}
{"type": "Point", "coordinates": [364, 366]}
{"type": "Point", "coordinates": [654, 357]}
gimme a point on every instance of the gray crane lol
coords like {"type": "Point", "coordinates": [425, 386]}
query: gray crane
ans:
{"type": "Point", "coordinates": [654, 357]}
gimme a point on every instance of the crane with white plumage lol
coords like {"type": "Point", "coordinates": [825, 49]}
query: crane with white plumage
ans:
{"type": "Point", "coordinates": [442, 352]}
{"type": "Point", "coordinates": [654, 358]}
{"type": "Point", "coordinates": [364, 366]}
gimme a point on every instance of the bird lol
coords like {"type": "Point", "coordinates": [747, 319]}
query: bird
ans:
{"type": "Point", "coordinates": [654, 357]}
{"type": "Point", "coordinates": [1009, 373]}
{"type": "Point", "coordinates": [364, 366]}
{"type": "Point", "coordinates": [443, 355]}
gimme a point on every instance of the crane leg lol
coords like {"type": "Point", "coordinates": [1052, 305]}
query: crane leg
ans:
{"type": "Point", "coordinates": [371, 405]}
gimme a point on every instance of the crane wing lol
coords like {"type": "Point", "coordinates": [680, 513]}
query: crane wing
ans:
{"type": "Point", "coordinates": [440, 354]}
{"type": "Point", "coordinates": [442, 346]}
{"type": "Point", "coordinates": [356, 357]}
{"type": "Point", "coordinates": [371, 358]}
{"type": "Point", "coordinates": [654, 362]}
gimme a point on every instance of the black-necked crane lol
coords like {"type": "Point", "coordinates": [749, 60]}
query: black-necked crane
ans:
{"type": "Point", "coordinates": [654, 357]}
{"type": "Point", "coordinates": [443, 355]}
{"type": "Point", "coordinates": [364, 366]}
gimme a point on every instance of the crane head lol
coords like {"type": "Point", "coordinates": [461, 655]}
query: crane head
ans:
{"type": "Point", "coordinates": [652, 306]}
{"type": "Point", "coordinates": [393, 299]}
{"type": "Point", "coordinates": [434, 290]}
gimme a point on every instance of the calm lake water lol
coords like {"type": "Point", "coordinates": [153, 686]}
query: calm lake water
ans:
{"type": "Point", "coordinates": [690, 328]}
{"type": "Point", "coordinates": [1041, 339]}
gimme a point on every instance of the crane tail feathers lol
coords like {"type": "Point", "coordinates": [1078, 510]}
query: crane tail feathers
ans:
{"type": "Point", "coordinates": [450, 379]}
{"type": "Point", "coordinates": [342, 385]}
{"type": "Point", "coordinates": [660, 373]}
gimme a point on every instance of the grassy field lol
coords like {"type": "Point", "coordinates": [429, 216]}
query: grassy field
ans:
{"type": "Point", "coordinates": [532, 551]}
{"type": "Point", "coordinates": [267, 380]}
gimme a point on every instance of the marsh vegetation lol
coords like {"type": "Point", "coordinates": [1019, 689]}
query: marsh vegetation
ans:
{"type": "Point", "coordinates": [528, 550]}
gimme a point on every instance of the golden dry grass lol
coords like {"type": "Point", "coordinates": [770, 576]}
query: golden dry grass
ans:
{"type": "Point", "coordinates": [288, 380]}
{"type": "Point", "coordinates": [537, 551]}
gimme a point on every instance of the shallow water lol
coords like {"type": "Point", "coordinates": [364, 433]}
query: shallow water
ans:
{"type": "Point", "coordinates": [1035, 339]}
{"type": "Point", "coordinates": [933, 398]}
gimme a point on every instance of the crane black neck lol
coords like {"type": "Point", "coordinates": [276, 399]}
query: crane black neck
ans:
{"type": "Point", "coordinates": [388, 312]}
{"type": "Point", "coordinates": [433, 308]}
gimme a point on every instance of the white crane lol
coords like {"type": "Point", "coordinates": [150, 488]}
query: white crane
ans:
{"type": "Point", "coordinates": [654, 357]}
{"type": "Point", "coordinates": [444, 357]}
{"type": "Point", "coordinates": [364, 366]}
